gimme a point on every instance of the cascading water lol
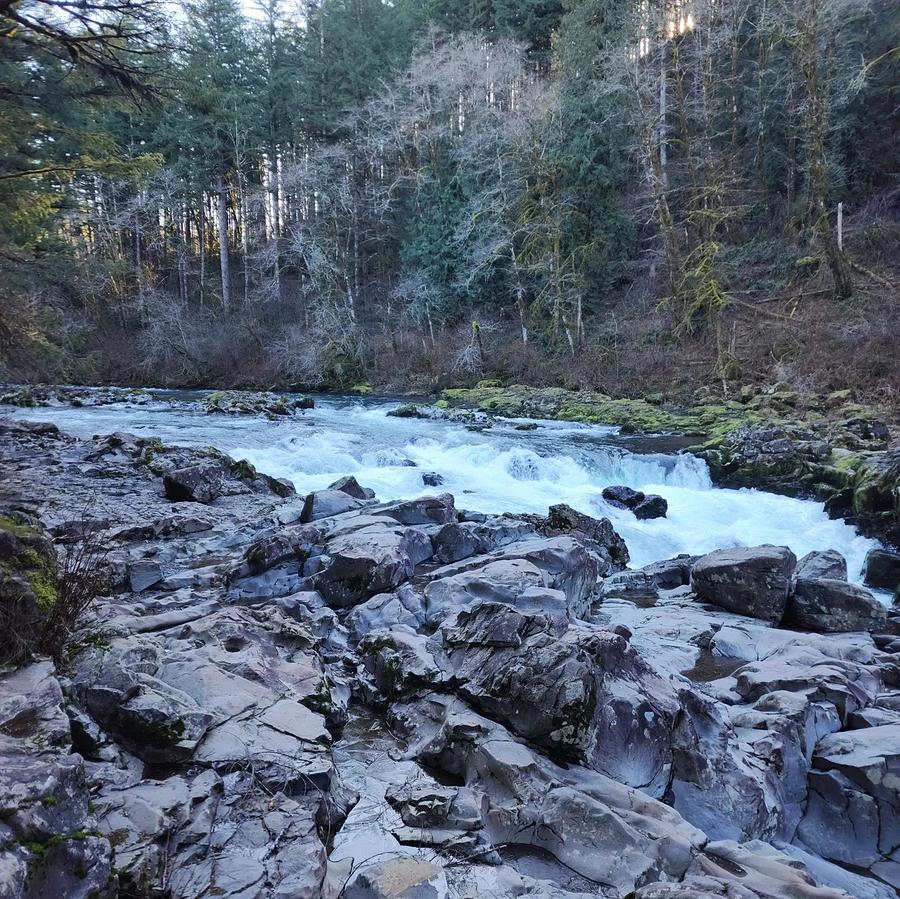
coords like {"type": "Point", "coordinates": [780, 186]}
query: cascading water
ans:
{"type": "Point", "coordinates": [502, 469]}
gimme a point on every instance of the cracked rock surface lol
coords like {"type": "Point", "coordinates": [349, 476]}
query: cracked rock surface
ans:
{"type": "Point", "coordinates": [283, 697]}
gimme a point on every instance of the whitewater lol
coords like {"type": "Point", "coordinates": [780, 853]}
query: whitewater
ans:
{"type": "Point", "coordinates": [501, 469]}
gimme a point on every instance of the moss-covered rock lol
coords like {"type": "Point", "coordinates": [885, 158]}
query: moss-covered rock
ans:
{"type": "Point", "coordinates": [28, 586]}
{"type": "Point", "coordinates": [239, 402]}
{"type": "Point", "coordinates": [649, 415]}
{"type": "Point", "coordinates": [407, 410]}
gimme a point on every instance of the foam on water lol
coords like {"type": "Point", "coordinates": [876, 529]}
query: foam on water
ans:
{"type": "Point", "coordinates": [498, 470]}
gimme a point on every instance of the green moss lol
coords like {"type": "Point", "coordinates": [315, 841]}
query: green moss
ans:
{"type": "Point", "coordinates": [361, 389]}
{"type": "Point", "coordinates": [44, 588]}
{"type": "Point", "coordinates": [407, 410]}
{"type": "Point", "coordinates": [243, 470]}
{"type": "Point", "coordinates": [17, 528]}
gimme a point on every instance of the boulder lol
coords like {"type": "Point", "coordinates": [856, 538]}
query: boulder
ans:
{"type": "Point", "coordinates": [326, 503]}
{"type": "Point", "coordinates": [829, 605]}
{"type": "Point", "coordinates": [432, 479]}
{"type": "Point", "coordinates": [883, 569]}
{"type": "Point", "coordinates": [651, 506]}
{"type": "Point", "coordinates": [622, 497]}
{"type": "Point", "coordinates": [599, 533]}
{"type": "Point", "coordinates": [195, 483]}
{"type": "Point", "coordinates": [584, 696]}
{"type": "Point", "coordinates": [351, 487]}
{"type": "Point", "coordinates": [827, 564]}
{"type": "Point", "coordinates": [370, 561]}
{"type": "Point", "coordinates": [499, 581]}
{"type": "Point", "coordinates": [752, 581]}
{"type": "Point", "coordinates": [454, 542]}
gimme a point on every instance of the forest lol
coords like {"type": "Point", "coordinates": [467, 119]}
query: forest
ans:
{"type": "Point", "coordinates": [323, 194]}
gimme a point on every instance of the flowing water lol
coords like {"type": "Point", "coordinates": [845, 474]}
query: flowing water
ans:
{"type": "Point", "coordinates": [501, 469]}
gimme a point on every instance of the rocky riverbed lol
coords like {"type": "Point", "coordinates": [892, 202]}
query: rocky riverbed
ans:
{"type": "Point", "coordinates": [327, 695]}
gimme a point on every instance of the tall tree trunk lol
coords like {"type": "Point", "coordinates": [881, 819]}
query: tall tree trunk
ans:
{"type": "Point", "coordinates": [817, 165]}
{"type": "Point", "coordinates": [201, 227]}
{"type": "Point", "coordinates": [224, 262]}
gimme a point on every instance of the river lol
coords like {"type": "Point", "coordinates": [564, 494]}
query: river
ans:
{"type": "Point", "coordinates": [502, 469]}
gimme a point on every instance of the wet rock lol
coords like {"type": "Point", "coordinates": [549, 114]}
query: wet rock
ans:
{"type": "Point", "coordinates": [829, 605]}
{"type": "Point", "coordinates": [826, 564]}
{"type": "Point", "coordinates": [432, 479]}
{"type": "Point", "coordinates": [652, 506]}
{"type": "Point", "coordinates": [752, 581]}
{"type": "Point", "coordinates": [279, 486]}
{"type": "Point", "coordinates": [622, 497]}
{"type": "Point", "coordinates": [883, 569]}
{"type": "Point", "coordinates": [196, 483]}
{"type": "Point", "coordinates": [424, 510]}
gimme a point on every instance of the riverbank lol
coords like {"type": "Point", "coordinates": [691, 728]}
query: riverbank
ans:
{"type": "Point", "coordinates": [831, 448]}
{"type": "Point", "coordinates": [327, 695]}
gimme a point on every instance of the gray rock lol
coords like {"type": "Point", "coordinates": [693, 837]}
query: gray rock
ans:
{"type": "Point", "coordinates": [652, 506]}
{"type": "Point", "coordinates": [716, 783]}
{"type": "Point", "coordinates": [143, 574]}
{"type": "Point", "coordinates": [599, 533]}
{"type": "Point", "coordinates": [828, 563]}
{"type": "Point", "coordinates": [584, 696]}
{"type": "Point", "coordinates": [398, 878]}
{"type": "Point", "coordinates": [403, 606]}
{"type": "Point", "coordinates": [196, 483]}
{"type": "Point", "coordinates": [454, 542]}
{"type": "Point", "coordinates": [327, 503]}
{"type": "Point", "coordinates": [500, 581]}
{"type": "Point", "coordinates": [829, 605]}
{"type": "Point", "coordinates": [622, 497]}
{"type": "Point", "coordinates": [752, 581]}
{"type": "Point", "coordinates": [598, 828]}
{"type": "Point", "coordinates": [883, 569]}
{"type": "Point", "coordinates": [370, 561]}
{"type": "Point", "coordinates": [351, 487]}
{"type": "Point", "coordinates": [432, 479]}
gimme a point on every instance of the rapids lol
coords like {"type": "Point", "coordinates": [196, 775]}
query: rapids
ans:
{"type": "Point", "coordinates": [502, 469]}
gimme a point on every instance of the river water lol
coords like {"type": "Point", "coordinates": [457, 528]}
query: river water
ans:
{"type": "Point", "coordinates": [501, 469]}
